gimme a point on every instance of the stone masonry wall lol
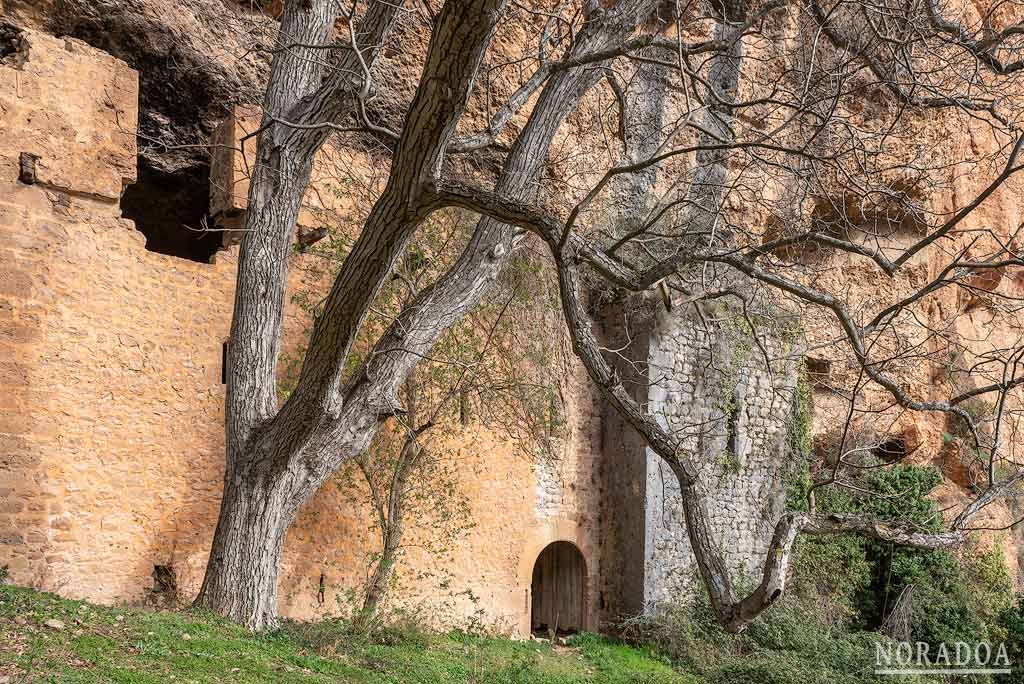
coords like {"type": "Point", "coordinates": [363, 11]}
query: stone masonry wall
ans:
{"type": "Point", "coordinates": [111, 402]}
{"type": "Point", "coordinates": [729, 402]}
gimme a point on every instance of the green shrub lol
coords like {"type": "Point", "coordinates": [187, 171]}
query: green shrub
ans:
{"type": "Point", "coordinates": [824, 628]}
{"type": "Point", "coordinates": [791, 643]}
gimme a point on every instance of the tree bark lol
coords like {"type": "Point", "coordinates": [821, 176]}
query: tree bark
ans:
{"type": "Point", "coordinates": [275, 458]}
{"type": "Point", "coordinates": [425, 321]}
{"type": "Point", "coordinates": [305, 435]}
{"type": "Point", "coordinates": [382, 574]}
{"type": "Point", "coordinates": [241, 574]}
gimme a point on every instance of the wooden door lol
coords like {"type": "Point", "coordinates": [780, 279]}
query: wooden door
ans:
{"type": "Point", "coordinates": [557, 588]}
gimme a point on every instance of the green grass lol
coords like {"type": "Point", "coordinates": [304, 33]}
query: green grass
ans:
{"type": "Point", "coordinates": [136, 646]}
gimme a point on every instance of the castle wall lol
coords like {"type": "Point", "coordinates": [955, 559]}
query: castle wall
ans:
{"type": "Point", "coordinates": [728, 400]}
{"type": "Point", "coordinates": [111, 429]}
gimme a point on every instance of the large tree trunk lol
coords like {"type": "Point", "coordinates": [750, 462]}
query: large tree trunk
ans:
{"type": "Point", "coordinates": [276, 459]}
{"type": "Point", "coordinates": [241, 575]}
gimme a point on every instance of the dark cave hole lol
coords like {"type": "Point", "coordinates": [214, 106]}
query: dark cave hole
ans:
{"type": "Point", "coordinates": [892, 450]}
{"type": "Point", "coordinates": [170, 209]}
{"type": "Point", "coordinates": [13, 46]}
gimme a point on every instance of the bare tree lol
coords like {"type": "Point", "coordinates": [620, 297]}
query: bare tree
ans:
{"type": "Point", "coordinates": [805, 137]}
{"type": "Point", "coordinates": [766, 130]}
{"type": "Point", "coordinates": [396, 477]}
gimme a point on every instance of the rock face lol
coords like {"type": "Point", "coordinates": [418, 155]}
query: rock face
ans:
{"type": "Point", "coordinates": [111, 402]}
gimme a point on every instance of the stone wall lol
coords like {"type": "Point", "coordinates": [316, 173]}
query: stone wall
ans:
{"type": "Point", "coordinates": [728, 399]}
{"type": "Point", "coordinates": [111, 424]}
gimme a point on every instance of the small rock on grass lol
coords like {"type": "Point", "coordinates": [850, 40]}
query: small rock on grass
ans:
{"type": "Point", "coordinates": [185, 636]}
{"type": "Point", "coordinates": [53, 623]}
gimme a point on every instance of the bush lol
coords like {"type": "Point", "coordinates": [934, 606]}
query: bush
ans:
{"type": "Point", "coordinates": [791, 643]}
{"type": "Point", "coordinates": [957, 595]}
{"type": "Point", "coordinates": [823, 629]}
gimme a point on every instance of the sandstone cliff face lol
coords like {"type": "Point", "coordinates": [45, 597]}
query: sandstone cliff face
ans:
{"type": "Point", "coordinates": [111, 435]}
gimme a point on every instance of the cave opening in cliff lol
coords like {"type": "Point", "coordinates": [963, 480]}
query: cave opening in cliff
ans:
{"type": "Point", "coordinates": [892, 450]}
{"type": "Point", "coordinates": [170, 209]}
{"type": "Point", "coordinates": [13, 46]}
{"type": "Point", "coordinates": [557, 590]}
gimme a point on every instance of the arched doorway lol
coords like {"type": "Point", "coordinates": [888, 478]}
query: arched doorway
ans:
{"type": "Point", "coordinates": [557, 589]}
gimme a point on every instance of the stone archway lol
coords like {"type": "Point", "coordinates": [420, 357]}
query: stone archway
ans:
{"type": "Point", "coordinates": [558, 589]}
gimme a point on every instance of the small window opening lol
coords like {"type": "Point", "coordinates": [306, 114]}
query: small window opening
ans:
{"type": "Point", "coordinates": [732, 434]}
{"type": "Point", "coordinates": [27, 168]}
{"type": "Point", "coordinates": [170, 209]}
{"type": "Point", "coordinates": [224, 362]}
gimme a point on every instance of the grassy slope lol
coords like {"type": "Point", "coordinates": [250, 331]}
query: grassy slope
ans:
{"type": "Point", "coordinates": [99, 644]}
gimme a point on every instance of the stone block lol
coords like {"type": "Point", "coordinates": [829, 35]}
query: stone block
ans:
{"type": "Point", "coordinates": [231, 163]}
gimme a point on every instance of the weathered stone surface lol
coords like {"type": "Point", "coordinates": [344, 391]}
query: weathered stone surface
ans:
{"type": "Point", "coordinates": [73, 109]}
{"type": "Point", "coordinates": [713, 388]}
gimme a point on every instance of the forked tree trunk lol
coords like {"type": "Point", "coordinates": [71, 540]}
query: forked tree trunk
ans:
{"type": "Point", "coordinates": [277, 458]}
